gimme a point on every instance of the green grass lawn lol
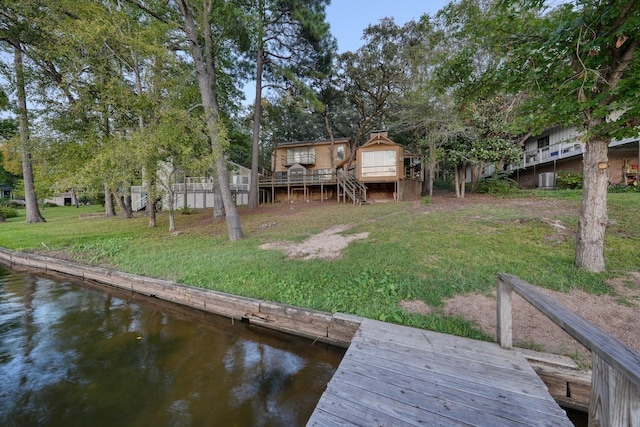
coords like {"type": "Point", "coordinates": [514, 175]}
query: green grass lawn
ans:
{"type": "Point", "coordinates": [420, 251]}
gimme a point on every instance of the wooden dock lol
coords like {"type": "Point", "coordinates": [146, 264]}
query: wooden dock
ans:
{"type": "Point", "coordinates": [399, 376]}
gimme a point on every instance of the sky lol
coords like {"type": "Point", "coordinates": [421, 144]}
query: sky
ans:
{"type": "Point", "coordinates": [348, 18]}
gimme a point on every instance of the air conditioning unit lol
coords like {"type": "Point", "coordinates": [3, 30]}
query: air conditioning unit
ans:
{"type": "Point", "coordinates": [547, 180]}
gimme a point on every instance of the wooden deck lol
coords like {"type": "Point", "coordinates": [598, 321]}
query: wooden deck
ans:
{"type": "Point", "coordinates": [399, 376]}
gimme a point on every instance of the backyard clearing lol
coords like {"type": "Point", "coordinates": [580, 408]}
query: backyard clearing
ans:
{"type": "Point", "coordinates": [617, 314]}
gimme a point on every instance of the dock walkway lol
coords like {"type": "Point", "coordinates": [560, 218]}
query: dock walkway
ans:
{"type": "Point", "coordinates": [399, 376]}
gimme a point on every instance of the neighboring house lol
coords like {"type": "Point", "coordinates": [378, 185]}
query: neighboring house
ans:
{"type": "Point", "coordinates": [67, 198]}
{"type": "Point", "coordinates": [197, 192]}
{"type": "Point", "coordinates": [6, 191]}
{"type": "Point", "coordinates": [319, 170]}
{"type": "Point", "coordinates": [560, 149]}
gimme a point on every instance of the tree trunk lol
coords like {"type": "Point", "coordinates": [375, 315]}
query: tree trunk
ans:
{"type": "Point", "coordinates": [185, 193]}
{"type": "Point", "coordinates": [207, 85]}
{"type": "Point", "coordinates": [126, 212]}
{"type": "Point", "coordinates": [459, 172]}
{"type": "Point", "coordinates": [476, 175]}
{"type": "Point", "coordinates": [432, 165]}
{"type": "Point", "coordinates": [172, 210]}
{"type": "Point", "coordinates": [255, 142]}
{"type": "Point", "coordinates": [327, 126]}
{"type": "Point", "coordinates": [218, 204]}
{"type": "Point", "coordinates": [456, 178]}
{"type": "Point", "coordinates": [127, 200]}
{"type": "Point", "coordinates": [232, 218]}
{"type": "Point", "coordinates": [151, 203]}
{"type": "Point", "coordinates": [463, 178]}
{"type": "Point", "coordinates": [33, 212]}
{"type": "Point", "coordinates": [109, 209]}
{"type": "Point", "coordinates": [149, 173]}
{"type": "Point", "coordinates": [593, 212]}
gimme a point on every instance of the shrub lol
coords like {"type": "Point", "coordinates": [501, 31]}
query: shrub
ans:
{"type": "Point", "coordinates": [185, 210]}
{"type": "Point", "coordinates": [50, 205]}
{"type": "Point", "coordinates": [569, 180]}
{"type": "Point", "coordinates": [622, 188]}
{"type": "Point", "coordinates": [499, 184]}
{"type": "Point", "coordinates": [16, 204]}
{"type": "Point", "coordinates": [441, 184]}
{"type": "Point", "coordinates": [85, 200]}
{"type": "Point", "coordinates": [8, 212]}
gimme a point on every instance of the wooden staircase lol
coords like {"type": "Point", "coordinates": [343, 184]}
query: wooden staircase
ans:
{"type": "Point", "coordinates": [348, 185]}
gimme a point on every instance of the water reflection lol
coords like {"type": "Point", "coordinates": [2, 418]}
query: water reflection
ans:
{"type": "Point", "coordinates": [75, 355]}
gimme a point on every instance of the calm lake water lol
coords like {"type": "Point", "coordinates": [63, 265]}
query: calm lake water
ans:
{"type": "Point", "coordinates": [77, 355]}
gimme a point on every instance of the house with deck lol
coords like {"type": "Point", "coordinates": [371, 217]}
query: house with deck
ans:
{"type": "Point", "coordinates": [561, 149]}
{"type": "Point", "coordinates": [320, 170]}
{"type": "Point", "coordinates": [196, 192]}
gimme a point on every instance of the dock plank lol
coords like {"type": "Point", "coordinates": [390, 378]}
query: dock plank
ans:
{"type": "Point", "coordinates": [396, 375]}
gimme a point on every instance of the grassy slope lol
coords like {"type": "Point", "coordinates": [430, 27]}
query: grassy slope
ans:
{"type": "Point", "coordinates": [409, 254]}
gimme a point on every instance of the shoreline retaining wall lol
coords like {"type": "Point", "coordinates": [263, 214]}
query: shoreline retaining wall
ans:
{"type": "Point", "coordinates": [335, 329]}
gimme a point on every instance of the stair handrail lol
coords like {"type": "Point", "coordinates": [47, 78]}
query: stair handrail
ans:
{"type": "Point", "coordinates": [615, 378]}
{"type": "Point", "coordinates": [352, 186]}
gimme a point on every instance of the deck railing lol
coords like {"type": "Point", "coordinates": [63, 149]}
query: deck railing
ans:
{"type": "Point", "coordinates": [303, 159]}
{"type": "Point", "coordinates": [310, 177]}
{"type": "Point", "coordinates": [552, 152]}
{"type": "Point", "coordinates": [615, 381]}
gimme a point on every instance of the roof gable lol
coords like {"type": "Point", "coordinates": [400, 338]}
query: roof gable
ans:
{"type": "Point", "coordinates": [378, 139]}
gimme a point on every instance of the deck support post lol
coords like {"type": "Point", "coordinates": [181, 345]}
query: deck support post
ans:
{"type": "Point", "coordinates": [505, 319]}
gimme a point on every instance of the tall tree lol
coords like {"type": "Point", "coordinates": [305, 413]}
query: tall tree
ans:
{"type": "Point", "coordinates": [16, 29]}
{"type": "Point", "coordinates": [292, 41]}
{"type": "Point", "coordinates": [371, 77]}
{"type": "Point", "coordinates": [578, 65]}
{"type": "Point", "coordinates": [201, 44]}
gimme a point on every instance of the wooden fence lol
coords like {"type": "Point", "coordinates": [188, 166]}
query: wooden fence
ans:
{"type": "Point", "coordinates": [615, 382]}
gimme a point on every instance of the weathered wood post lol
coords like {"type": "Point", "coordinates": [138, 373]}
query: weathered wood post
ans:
{"type": "Point", "coordinates": [504, 308]}
{"type": "Point", "coordinates": [615, 401]}
{"type": "Point", "coordinates": [615, 383]}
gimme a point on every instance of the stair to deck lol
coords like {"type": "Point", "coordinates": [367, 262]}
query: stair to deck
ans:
{"type": "Point", "coordinates": [351, 187]}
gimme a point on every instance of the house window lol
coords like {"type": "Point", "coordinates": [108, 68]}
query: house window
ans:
{"type": "Point", "coordinates": [543, 142]}
{"type": "Point", "coordinates": [379, 163]}
{"type": "Point", "coordinates": [340, 152]}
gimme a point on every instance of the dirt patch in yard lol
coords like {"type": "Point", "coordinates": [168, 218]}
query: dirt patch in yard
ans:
{"type": "Point", "coordinates": [616, 314]}
{"type": "Point", "coordinates": [326, 245]}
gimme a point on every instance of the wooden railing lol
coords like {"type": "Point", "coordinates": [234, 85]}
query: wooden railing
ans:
{"type": "Point", "coordinates": [552, 152]}
{"type": "Point", "coordinates": [309, 178]}
{"type": "Point", "coordinates": [356, 190]}
{"type": "Point", "coordinates": [615, 382]}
